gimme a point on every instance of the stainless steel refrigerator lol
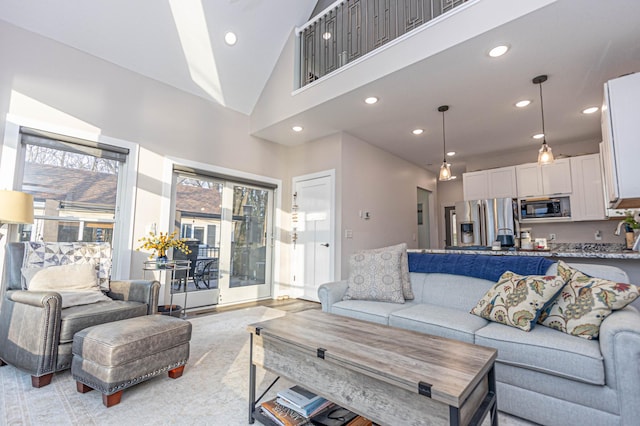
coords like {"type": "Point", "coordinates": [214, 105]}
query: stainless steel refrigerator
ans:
{"type": "Point", "coordinates": [479, 222]}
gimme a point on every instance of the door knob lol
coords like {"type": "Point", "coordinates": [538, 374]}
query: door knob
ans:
{"type": "Point", "coordinates": [325, 244]}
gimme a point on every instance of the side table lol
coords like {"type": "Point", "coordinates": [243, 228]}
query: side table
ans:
{"type": "Point", "coordinates": [169, 269]}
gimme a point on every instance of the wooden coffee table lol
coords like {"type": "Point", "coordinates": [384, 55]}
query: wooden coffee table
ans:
{"type": "Point", "coordinates": [389, 375]}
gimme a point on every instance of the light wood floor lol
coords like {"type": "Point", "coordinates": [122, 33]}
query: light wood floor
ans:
{"type": "Point", "coordinates": [288, 305]}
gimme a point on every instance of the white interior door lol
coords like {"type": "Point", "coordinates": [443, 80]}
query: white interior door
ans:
{"type": "Point", "coordinates": [314, 247]}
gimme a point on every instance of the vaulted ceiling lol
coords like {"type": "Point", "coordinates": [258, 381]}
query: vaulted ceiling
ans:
{"type": "Point", "coordinates": [580, 45]}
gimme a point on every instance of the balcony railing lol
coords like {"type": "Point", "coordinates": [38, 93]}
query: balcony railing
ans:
{"type": "Point", "coordinates": [349, 29]}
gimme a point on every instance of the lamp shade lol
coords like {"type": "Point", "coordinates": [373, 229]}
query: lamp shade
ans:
{"type": "Point", "coordinates": [16, 207]}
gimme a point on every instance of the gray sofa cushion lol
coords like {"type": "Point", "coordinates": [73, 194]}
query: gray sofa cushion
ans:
{"type": "Point", "coordinates": [546, 350]}
{"type": "Point", "coordinates": [76, 318]}
{"type": "Point", "coordinates": [438, 320]}
{"type": "Point", "coordinates": [454, 291]}
{"type": "Point", "coordinates": [368, 310]}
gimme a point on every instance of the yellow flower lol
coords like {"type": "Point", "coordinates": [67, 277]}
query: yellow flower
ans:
{"type": "Point", "coordinates": [160, 244]}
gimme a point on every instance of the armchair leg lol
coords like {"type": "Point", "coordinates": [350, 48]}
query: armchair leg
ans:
{"type": "Point", "coordinates": [38, 382]}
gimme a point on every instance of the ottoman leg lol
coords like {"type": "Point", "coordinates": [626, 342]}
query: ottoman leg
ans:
{"type": "Point", "coordinates": [111, 400]}
{"type": "Point", "coordinates": [176, 372]}
{"type": "Point", "coordinates": [82, 388]}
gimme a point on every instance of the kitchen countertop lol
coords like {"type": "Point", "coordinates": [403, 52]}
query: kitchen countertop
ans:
{"type": "Point", "coordinates": [583, 252]}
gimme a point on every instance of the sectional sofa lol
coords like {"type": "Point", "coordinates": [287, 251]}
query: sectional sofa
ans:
{"type": "Point", "coordinates": [543, 375]}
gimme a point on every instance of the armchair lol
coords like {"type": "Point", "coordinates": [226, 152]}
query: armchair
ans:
{"type": "Point", "coordinates": [36, 333]}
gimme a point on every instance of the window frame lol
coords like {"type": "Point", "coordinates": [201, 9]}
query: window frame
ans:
{"type": "Point", "coordinates": [12, 169]}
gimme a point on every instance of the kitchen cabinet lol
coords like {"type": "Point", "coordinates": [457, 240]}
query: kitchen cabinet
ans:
{"type": "Point", "coordinates": [587, 198]}
{"type": "Point", "coordinates": [620, 148]}
{"type": "Point", "coordinates": [533, 180]}
{"type": "Point", "coordinates": [493, 183]}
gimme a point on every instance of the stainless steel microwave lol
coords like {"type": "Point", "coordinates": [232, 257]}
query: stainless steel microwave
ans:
{"type": "Point", "coordinates": [540, 208]}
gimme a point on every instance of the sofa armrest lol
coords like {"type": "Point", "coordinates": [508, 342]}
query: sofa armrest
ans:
{"type": "Point", "coordinates": [330, 293]}
{"type": "Point", "coordinates": [143, 291]}
{"type": "Point", "coordinates": [620, 347]}
{"type": "Point", "coordinates": [29, 330]}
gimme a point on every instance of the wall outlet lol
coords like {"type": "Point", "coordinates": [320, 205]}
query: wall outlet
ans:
{"type": "Point", "coordinates": [598, 235]}
{"type": "Point", "coordinates": [552, 237]}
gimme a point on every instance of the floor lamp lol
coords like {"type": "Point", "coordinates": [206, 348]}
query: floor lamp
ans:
{"type": "Point", "coordinates": [15, 207]}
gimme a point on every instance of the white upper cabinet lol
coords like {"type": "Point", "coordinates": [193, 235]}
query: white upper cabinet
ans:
{"type": "Point", "coordinates": [551, 179]}
{"type": "Point", "coordinates": [621, 147]}
{"type": "Point", "coordinates": [529, 180]}
{"type": "Point", "coordinates": [494, 183]}
{"type": "Point", "coordinates": [475, 185]}
{"type": "Point", "coordinates": [556, 177]}
{"type": "Point", "coordinates": [502, 182]}
{"type": "Point", "coordinates": [587, 198]}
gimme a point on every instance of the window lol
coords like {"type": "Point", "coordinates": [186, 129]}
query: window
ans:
{"type": "Point", "coordinates": [75, 184]}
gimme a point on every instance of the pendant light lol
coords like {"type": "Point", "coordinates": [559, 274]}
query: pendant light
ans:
{"type": "Point", "coordinates": [445, 169]}
{"type": "Point", "coordinates": [545, 156]}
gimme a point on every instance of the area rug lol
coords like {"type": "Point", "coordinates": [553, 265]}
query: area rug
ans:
{"type": "Point", "coordinates": [212, 391]}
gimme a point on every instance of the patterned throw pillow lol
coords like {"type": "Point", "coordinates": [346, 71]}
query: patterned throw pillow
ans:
{"type": "Point", "coordinates": [44, 254]}
{"type": "Point", "coordinates": [407, 291]}
{"type": "Point", "coordinates": [375, 275]}
{"type": "Point", "coordinates": [517, 300]}
{"type": "Point", "coordinates": [585, 302]}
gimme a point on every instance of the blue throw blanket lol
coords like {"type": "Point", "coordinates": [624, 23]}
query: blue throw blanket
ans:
{"type": "Point", "coordinates": [479, 266]}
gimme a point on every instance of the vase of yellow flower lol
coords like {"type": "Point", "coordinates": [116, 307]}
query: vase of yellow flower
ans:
{"type": "Point", "coordinates": [160, 244]}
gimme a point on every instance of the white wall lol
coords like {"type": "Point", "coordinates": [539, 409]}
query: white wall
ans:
{"type": "Point", "coordinates": [385, 185]}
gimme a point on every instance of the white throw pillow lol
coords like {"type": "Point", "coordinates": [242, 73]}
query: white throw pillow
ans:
{"type": "Point", "coordinates": [77, 284]}
{"type": "Point", "coordinates": [407, 291]}
{"type": "Point", "coordinates": [64, 277]}
{"type": "Point", "coordinates": [375, 275]}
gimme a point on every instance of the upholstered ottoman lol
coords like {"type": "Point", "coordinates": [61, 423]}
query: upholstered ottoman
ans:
{"type": "Point", "coordinates": [112, 357]}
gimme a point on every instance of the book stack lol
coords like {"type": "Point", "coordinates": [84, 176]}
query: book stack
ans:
{"type": "Point", "coordinates": [302, 401]}
{"type": "Point", "coordinates": [281, 415]}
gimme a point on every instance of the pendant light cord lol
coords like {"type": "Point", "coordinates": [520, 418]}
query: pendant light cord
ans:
{"type": "Point", "coordinates": [444, 141]}
{"type": "Point", "coordinates": [544, 134]}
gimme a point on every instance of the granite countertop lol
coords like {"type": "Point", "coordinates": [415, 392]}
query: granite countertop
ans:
{"type": "Point", "coordinates": [576, 250]}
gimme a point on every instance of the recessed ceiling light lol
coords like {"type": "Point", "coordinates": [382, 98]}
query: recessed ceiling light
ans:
{"type": "Point", "coordinates": [326, 35]}
{"type": "Point", "coordinates": [451, 153]}
{"type": "Point", "coordinates": [538, 136]}
{"type": "Point", "coordinates": [230, 38]}
{"type": "Point", "coordinates": [523, 103]}
{"type": "Point", "coordinates": [417, 131]}
{"type": "Point", "coordinates": [371, 100]}
{"type": "Point", "coordinates": [297, 128]}
{"type": "Point", "coordinates": [499, 50]}
{"type": "Point", "coordinates": [590, 110]}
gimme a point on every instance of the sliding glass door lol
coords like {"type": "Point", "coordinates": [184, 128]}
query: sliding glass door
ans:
{"type": "Point", "coordinates": [228, 226]}
{"type": "Point", "coordinates": [245, 256]}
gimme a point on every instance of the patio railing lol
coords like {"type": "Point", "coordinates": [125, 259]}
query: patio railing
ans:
{"type": "Point", "coordinates": [349, 29]}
